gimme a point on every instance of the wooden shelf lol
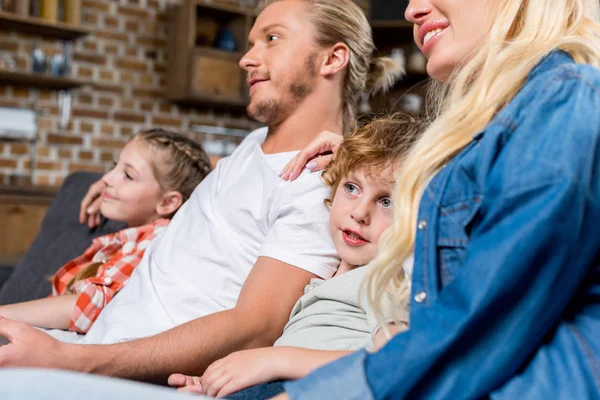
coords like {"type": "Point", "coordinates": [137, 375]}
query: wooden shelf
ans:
{"type": "Point", "coordinates": [38, 81]}
{"type": "Point", "coordinates": [411, 79]}
{"type": "Point", "coordinates": [27, 194]}
{"type": "Point", "coordinates": [211, 51]}
{"type": "Point", "coordinates": [229, 8]}
{"type": "Point", "coordinates": [38, 26]}
{"type": "Point", "coordinates": [218, 102]}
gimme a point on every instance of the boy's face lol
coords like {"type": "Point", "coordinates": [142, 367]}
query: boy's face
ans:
{"type": "Point", "coordinates": [361, 211]}
{"type": "Point", "coordinates": [282, 62]}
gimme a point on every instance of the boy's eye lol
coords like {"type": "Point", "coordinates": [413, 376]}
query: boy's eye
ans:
{"type": "Point", "coordinates": [127, 176]}
{"type": "Point", "coordinates": [350, 188]}
{"type": "Point", "coordinates": [386, 203]}
{"type": "Point", "coordinates": [271, 38]}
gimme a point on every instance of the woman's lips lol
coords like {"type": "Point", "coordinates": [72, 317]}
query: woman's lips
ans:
{"type": "Point", "coordinates": [425, 32]}
{"type": "Point", "coordinates": [428, 45]}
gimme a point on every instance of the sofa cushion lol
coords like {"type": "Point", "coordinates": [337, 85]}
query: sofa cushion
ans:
{"type": "Point", "coordinates": [60, 239]}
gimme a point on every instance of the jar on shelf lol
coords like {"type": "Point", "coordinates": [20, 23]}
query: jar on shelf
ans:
{"type": "Point", "coordinates": [49, 10]}
{"type": "Point", "coordinates": [73, 11]}
{"type": "Point", "coordinates": [22, 7]}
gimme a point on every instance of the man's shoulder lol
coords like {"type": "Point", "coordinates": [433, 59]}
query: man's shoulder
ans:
{"type": "Point", "coordinates": [309, 185]}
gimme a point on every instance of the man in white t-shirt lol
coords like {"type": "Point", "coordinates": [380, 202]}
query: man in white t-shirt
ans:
{"type": "Point", "coordinates": [236, 257]}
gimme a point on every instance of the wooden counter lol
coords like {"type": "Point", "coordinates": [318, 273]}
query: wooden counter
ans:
{"type": "Point", "coordinates": [21, 213]}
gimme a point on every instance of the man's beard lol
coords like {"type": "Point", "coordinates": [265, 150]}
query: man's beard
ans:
{"type": "Point", "coordinates": [273, 110]}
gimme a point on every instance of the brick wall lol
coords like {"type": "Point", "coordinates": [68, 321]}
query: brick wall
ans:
{"type": "Point", "coordinates": [125, 58]}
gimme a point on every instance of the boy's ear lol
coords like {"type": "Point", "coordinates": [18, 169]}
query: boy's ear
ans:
{"type": "Point", "coordinates": [171, 201]}
{"type": "Point", "coordinates": [337, 59]}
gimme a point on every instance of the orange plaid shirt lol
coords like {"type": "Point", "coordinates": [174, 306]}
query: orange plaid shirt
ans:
{"type": "Point", "coordinates": [119, 253]}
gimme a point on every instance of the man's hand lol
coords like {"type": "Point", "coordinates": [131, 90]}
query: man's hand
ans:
{"type": "Point", "coordinates": [89, 212]}
{"type": "Point", "coordinates": [316, 156]}
{"type": "Point", "coordinates": [29, 347]}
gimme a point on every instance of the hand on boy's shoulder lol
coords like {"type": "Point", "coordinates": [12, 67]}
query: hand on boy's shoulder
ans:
{"type": "Point", "coordinates": [314, 157]}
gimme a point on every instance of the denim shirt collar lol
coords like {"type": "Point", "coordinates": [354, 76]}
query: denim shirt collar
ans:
{"type": "Point", "coordinates": [550, 61]}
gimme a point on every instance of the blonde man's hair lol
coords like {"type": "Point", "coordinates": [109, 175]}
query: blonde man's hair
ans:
{"type": "Point", "coordinates": [521, 33]}
{"type": "Point", "coordinates": [342, 21]}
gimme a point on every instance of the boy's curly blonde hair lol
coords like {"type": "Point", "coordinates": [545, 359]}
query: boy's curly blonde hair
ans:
{"type": "Point", "coordinates": [377, 145]}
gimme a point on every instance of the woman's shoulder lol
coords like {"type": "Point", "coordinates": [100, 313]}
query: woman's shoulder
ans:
{"type": "Point", "coordinates": [557, 84]}
{"type": "Point", "coordinates": [558, 69]}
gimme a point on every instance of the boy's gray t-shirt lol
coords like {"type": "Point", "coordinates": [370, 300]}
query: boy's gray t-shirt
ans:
{"type": "Point", "coordinates": [332, 315]}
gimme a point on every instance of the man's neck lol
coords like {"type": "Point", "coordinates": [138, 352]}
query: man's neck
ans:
{"type": "Point", "coordinates": [303, 125]}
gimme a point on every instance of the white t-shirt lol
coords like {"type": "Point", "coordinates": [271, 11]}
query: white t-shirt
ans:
{"type": "Point", "coordinates": [243, 210]}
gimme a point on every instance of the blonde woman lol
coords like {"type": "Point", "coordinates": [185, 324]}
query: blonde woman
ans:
{"type": "Point", "coordinates": [499, 203]}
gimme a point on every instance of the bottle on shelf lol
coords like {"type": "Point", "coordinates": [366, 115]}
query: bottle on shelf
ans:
{"type": "Point", "coordinates": [22, 7]}
{"type": "Point", "coordinates": [49, 10]}
{"type": "Point", "coordinates": [72, 11]}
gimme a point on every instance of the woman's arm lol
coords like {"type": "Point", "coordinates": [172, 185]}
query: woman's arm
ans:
{"type": "Point", "coordinates": [51, 312]}
{"type": "Point", "coordinates": [247, 368]}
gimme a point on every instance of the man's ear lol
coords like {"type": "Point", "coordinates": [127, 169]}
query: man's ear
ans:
{"type": "Point", "coordinates": [337, 59]}
{"type": "Point", "coordinates": [170, 202]}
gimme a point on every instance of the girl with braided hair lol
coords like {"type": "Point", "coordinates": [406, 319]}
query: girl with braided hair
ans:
{"type": "Point", "coordinates": [156, 173]}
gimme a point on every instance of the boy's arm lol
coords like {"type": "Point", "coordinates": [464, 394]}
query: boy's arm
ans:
{"type": "Point", "coordinates": [296, 362]}
{"type": "Point", "coordinates": [247, 368]}
{"type": "Point", "coordinates": [50, 312]}
{"type": "Point", "coordinates": [257, 320]}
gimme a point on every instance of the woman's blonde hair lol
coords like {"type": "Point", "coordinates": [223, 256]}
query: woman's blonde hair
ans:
{"type": "Point", "coordinates": [521, 33]}
{"type": "Point", "coordinates": [342, 21]}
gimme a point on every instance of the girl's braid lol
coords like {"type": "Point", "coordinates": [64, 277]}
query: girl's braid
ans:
{"type": "Point", "coordinates": [182, 162]}
{"type": "Point", "coordinates": [190, 149]}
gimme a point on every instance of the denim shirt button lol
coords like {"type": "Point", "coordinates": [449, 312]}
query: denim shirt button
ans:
{"type": "Point", "coordinates": [420, 297]}
{"type": "Point", "coordinates": [422, 224]}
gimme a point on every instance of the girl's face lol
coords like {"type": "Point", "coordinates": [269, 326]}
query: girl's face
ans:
{"type": "Point", "coordinates": [132, 194]}
{"type": "Point", "coordinates": [361, 211]}
{"type": "Point", "coordinates": [447, 32]}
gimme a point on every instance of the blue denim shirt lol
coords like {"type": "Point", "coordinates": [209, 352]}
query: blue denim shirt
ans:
{"type": "Point", "coordinates": [506, 284]}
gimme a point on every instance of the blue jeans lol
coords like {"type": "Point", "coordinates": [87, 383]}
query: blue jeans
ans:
{"type": "Point", "coordinates": [259, 392]}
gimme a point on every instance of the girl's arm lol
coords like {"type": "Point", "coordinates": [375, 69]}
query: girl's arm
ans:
{"type": "Point", "coordinates": [51, 312]}
{"type": "Point", "coordinates": [247, 368]}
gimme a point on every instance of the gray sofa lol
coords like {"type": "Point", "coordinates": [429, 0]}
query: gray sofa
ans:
{"type": "Point", "coordinates": [60, 239]}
